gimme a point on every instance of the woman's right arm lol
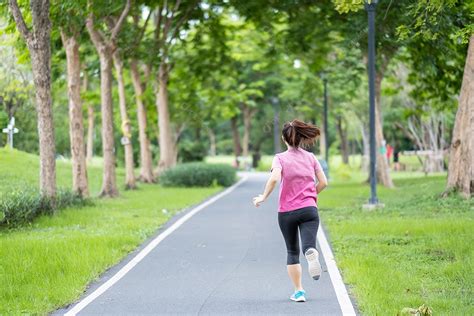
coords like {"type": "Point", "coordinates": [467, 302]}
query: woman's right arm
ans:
{"type": "Point", "coordinates": [275, 177]}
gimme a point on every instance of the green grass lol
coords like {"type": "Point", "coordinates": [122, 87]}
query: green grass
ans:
{"type": "Point", "coordinates": [417, 250]}
{"type": "Point", "coordinates": [410, 163]}
{"type": "Point", "coordinates": [19, 168]}
{"type": "Point", "coordinates": [48, 264]}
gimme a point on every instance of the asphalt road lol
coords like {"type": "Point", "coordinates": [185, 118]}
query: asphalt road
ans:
{"type": "Point", "coordinates": [229, 258]}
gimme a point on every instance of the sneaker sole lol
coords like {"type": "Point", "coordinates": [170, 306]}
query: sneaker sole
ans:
{"type": "Point", "coordinates": [314, 267]}
{"type": "Point", "coordinates": [299, 300]}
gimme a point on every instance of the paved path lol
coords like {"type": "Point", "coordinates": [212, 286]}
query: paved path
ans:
{"type": "Point", "coordinates": [227, 259]}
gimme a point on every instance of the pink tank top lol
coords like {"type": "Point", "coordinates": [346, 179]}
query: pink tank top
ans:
{"type": "Point", "coordinates": [298, 179]}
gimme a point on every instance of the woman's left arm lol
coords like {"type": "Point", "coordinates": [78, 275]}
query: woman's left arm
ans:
{"type": "Point", "coordinates": [322, 181]}
{"type": "Point", "coordinates": [275, 177]}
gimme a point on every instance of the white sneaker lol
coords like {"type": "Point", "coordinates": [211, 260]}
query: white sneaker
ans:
{"type": "Point", "coordinates": [314, 267]}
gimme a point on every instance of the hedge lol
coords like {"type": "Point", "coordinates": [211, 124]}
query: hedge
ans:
{"type": "Point", "coordinates": [22, 205]}
{"type": "Point", "coordinates": [198, 174]}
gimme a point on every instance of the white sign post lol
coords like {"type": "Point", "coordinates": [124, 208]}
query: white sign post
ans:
{"type": "Point", "coordinates": [10, 130]}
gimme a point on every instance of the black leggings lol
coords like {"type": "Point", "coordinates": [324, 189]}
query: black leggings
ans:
{"type": "Point", "coordinates": [307, 220]}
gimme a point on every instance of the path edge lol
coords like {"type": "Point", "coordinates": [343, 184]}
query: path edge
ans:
{"type": "Point", "coordinates": [345, 302]}
{"type": "Point", "coordinates": [182, 217]}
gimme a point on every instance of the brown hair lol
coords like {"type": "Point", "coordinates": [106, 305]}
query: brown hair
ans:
{"type": "Point", "coordinates": [297, 133]}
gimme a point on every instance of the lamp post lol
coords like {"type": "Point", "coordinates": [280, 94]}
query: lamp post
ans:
{"type": "Point", "coordinates": [326, 136]}
{"type": "Point", "coordinates": [370, 7]}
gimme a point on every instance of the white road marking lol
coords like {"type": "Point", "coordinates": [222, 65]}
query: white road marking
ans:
{"type": "Point", "coordinates": [145, 251]}
{"type": "Point", "coordinates": [339, 287]}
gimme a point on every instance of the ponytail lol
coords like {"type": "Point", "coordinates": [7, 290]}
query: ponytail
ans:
{"type": "Point", "coordinates": [297, 133]}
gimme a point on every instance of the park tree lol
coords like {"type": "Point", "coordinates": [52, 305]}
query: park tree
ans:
{"type": "Point", "coordinates": [305, 92]}
{"type": "Point", "coordinates": [140, 85]}
{"type": "Point", "coordinates": [126, 125]}
{"type": "Point", "coordinates": [461, 160]}
{"type": "Point", "coordinates": [201, 64]}
{"type": "Point", "coordinates": [346, 77]}
{"type": "Point", "coordinates": [90, 93]}
{"type": "Point", "coordinates": [448, 28]}
{"type": "Point", "coordinates": [89, 101]}
{"type": "Point", "coordinates": [308, 32]}
{"type": "Point", "coordinates": [38, 42]}
{"type": "Point", "coordinates": [104, 37]}
{"type": "Point", "coordinates": [234, 124]}
{"type": "Point", "coordinates": [17, 93]}
{"type": "Point", "coordinates": [424, 122]}
{"type": "Point", "coordinates": [129, 50]}
{"type": "Point", "coordinates": [314, 29]}
{"type": "Point", "coordinates": [389, 17]}
{"type": "Point", "coordinates": [300, 90]}
{"type": "Point", "coordinates": [175, 22]}
{"type": "Point", "coordinates": [219, 108]}
{"type": "Point", "coordinates": [247, 55]}
{"type": "Point", "coordinates": [137, 52]}
{"type": "Point", "coordinates": [171, 17]}
{"type": "Point", "coordinates": [15, 81]}
{"type": "Point", "coordinates": [68, 17]}
{"type": "Point", "coordinates": [427, 26]}
{"type": "Point", "coordinates": [258, 67]}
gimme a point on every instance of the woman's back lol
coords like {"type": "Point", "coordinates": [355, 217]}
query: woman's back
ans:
{"type": "Point", "coordinates": [298, 186]}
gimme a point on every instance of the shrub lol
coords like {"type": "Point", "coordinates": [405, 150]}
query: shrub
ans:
{"type": "Point", "coordinates": [343, 172]}
{"type": "Point", "coordinates": [225, 147]}
{"type": "Point", "coordinates": [192, 151]}
{"type": "Point", "coordinates": [264, 166]}
{"type": "Point", "coordinates": [21, 206]}
{"type": "Point", "coordinates": [198, 174]}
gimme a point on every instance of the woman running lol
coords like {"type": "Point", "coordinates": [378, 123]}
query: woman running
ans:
{"type": "Point", "coordinates": [296, 168]}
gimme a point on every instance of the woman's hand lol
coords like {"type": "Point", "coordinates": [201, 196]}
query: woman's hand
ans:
{"type": "Point", "coordinates": [269, 186]}
{"type": "Point", "coordinates": [258, 200]}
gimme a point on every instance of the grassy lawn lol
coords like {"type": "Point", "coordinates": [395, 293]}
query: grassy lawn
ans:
{"type": "Point", "coordinates": [49, 263]}
{"type": "Point", "coordinates": [18, 169]}
{"type": "Point", "coordinates": [411, 163]}
{"type": "Point", "coordinates": [417, 250]}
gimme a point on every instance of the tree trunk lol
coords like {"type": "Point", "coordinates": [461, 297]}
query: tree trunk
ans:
{"type": "Point", "coordinates": [212, 141]}
{"type": "Point", "coordinates": [105, 46]}
{"type": "Point", "coordinates": [247, 117]}
{"type": "Point", "coordinates": [434, 163]}
{"type": "Point", "coordinates": [352, 150]}
{"type": "Point", "coordinates": [168, 150]}
{"type": "Point", "coordinates": [461, 156]}
{"type": "Point", "coordinates": [146, 164]}
{"type": "Point", "coordinates": [383, 175]}
{"type": "Point", "coordinates": [90, 134]}
{"type": "Point", "coordinates": [109, 184]}
{"type": "Point", "coordinates": [366, 148]}
{"type": "Point", "coordinates": [76, 128]}
{"type": "Point", "coordinates": [236, 136]}
{"type": "Point", "coordinates": [197, 133]}
{"type": "Point", "coordinates": [41, 67]}
{"type": "Point", "coordinates": [38, 41]}
{"type": "Point", "coordinates": [343, 139]}
{"type": "Point", "coordinates": [90, 122]}
{"type": "Point", "coordinates": [126, 126]}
